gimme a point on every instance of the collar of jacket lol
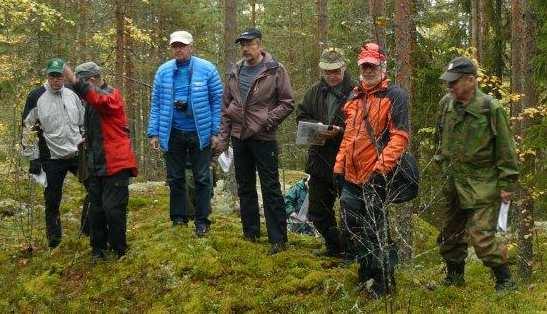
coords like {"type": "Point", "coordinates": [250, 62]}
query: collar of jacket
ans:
{"type": "Point", "coordinates": [361, 90]}
{"type": "Point", "coordinates": [269, 63]}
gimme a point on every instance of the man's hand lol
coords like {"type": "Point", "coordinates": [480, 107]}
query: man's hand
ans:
{"type": "Point", "coordinates": [69, 75]}
{"type": "Point", "coordinates": [155, 142]}
{"type": "Point", "coordinates": [505, 196]}
{"type": "Point", "coordinates": [331, 133]}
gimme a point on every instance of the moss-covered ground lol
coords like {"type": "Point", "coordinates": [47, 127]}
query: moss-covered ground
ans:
{"type": "Point", "coordinates": [171, 270]}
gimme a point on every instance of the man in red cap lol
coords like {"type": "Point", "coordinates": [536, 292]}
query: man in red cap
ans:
{"type": "Point", "coordinates": [375, 138]}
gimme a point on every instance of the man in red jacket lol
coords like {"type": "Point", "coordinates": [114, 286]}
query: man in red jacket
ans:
{"type": "Point", "coordinates": [111, 161]}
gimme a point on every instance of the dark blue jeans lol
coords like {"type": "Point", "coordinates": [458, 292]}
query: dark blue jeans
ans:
{"type": "Point", "coordinates": [249, 156]}
{"type": "Point", "coordinates": [183, 147]}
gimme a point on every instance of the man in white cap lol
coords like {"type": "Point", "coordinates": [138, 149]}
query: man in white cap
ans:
{"type": "Point", "coordinates": [184, 116]}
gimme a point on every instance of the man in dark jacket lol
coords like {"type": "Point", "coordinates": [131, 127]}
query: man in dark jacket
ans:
{"type": "Point", "coordinates": [111, 161]}
{"type": "Point", "coordinates": [257, 98]}
{"type": "Point", "coordinates": [323, 103]}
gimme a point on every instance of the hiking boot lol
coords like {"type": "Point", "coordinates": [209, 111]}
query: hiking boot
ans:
{"type": "Point", "coordinates": [202, 230]}
{"type": "Point", "coordinates": [53, 243]}
{"type": "Point", "coordinates": [454, 274]}
{"type": "Point", "coordinates": [278, 247]}
{"type": "Point", "coordinates": [97, 256]}
{"type": "Point", "coordinates": [504, 283]}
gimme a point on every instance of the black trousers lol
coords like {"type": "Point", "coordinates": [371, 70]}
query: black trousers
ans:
{"type": "Point", "coordinates": [249, 156]}
{"type": "Point", "coordinates": [56, 170]}
{"type": "Point", "coordinates": [323, 194]}
{"type": "Point", "coordinates": [366, 218]}
{"type": "Point", "coordinates": [109, 196]}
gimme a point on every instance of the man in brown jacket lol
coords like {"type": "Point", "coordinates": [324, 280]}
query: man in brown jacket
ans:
{"type": "Point", "coordinates": [257, 98]}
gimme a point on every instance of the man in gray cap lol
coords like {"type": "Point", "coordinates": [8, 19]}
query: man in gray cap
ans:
{"type": "Point", "coordinates": [477, 157]}
{"type": "Point", "coordinates": [111, 161]}
{"type": "Point", "coordinates": [57, 114]}
{"type": "Point", "coordinates": [323, 103]}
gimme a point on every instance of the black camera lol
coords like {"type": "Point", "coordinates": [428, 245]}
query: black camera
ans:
{"type": "Point", "coordinates": [181, 105]}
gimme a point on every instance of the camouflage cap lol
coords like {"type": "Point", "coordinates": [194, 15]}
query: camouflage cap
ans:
{"type": "Point", "coordinates": [331, 59]}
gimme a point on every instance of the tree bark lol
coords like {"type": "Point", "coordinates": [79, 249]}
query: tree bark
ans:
{"type": "Point", "coordinates": [322, 29]}
{"type": "Point", "coordinates": [522, 30]}
{"type": "Point", "coordinates": [405, 44]}
{"type": "Point", "coordinates": [253, 12]}
{"type": "Point", "coordinates": [377, 12]}
{"type": "Point", "coordinates": [230, 34]}
{"type": "Point", "coordinates": [119, 16]}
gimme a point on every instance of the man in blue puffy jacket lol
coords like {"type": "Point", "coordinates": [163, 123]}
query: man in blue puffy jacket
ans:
{"type": "Point", "coordinates": [184, 116]}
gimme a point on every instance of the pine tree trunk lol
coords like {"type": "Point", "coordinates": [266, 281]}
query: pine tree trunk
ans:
{"type": "Point", "coordinates": [522, 30]}
{"type": "Point", "coordinates": [405, 44]}
{"type": "Point", "coordinates": [119, 16]}
{"type": "Point", "coordinates": [322, 29]}
{"type": "Point", "coordinates": [230, 58]}
{"type": "Point", "coordinates": [377, 12]}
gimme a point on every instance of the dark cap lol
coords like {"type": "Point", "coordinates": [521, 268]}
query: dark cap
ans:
{"type": "Point", "coordinates": [457, 68]}
{"type": "Point", "coordinates": [87, 69]}
{"type": "Point", "coordinates": [249, 34]}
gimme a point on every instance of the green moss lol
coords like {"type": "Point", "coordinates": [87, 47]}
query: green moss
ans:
{"type": "Point", "coordinates": [171, 270]}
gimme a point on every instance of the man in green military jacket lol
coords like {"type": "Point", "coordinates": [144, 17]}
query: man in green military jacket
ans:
{"type": "Point", "coordinates": [477, 155]}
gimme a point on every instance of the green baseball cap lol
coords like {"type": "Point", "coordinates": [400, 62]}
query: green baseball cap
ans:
{"type": "Point", "coordinates": [55, 65]}
{"type": "Point", "coordinates": [331, 59]}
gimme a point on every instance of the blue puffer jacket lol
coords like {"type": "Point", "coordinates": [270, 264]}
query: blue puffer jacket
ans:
{"type": "Point", "coordinates": [205, 97]}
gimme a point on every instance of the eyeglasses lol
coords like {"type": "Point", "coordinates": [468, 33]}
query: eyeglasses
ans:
{"type": "Point", "coordinates": [332, 72]}
{"type": "Point", "coordinates": [179, 45]}
{"type": "Point", "coordinates": [247, 44]}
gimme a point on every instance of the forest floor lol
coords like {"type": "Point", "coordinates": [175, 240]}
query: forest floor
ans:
{"type": "Point", "coordinates": [171, 270]}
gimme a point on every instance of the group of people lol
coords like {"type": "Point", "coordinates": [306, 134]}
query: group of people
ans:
{"type": "Point", "coordinates": [194, 117]}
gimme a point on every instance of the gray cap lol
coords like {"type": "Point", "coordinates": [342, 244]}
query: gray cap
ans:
{"type": "Point", "coordinates": [87, 69]}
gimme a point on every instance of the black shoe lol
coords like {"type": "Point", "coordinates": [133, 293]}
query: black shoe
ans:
{"type": "Point", "coordinates": [278, 247]}
{"type": "Point", "coordinates": [504, 283]}
{"type": "Point", "coordinates": [202, 230]}
{"type": "Point", "coordinates": [97, 256]}
{"type": "Point", "coordinates": [181, 223]}
{"type": "Point", "coordinates": [454, 274]}
{"type": "Point", "coordinates": [53, 243]}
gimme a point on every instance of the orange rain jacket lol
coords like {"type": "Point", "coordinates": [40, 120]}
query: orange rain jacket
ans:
{"type": "Point", "coordinates": [386, 107]}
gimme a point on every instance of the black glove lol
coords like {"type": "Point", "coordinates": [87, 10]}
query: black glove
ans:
{"type": "Point", "coordinates": [35, 167]}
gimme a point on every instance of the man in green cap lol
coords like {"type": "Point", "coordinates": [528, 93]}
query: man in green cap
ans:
{"type": "Point", "coordinates": [57, 114]}
{"type": "Point", "coordinates": [477, 156]}
{"type": "Point", "coordinates": [323, 103]}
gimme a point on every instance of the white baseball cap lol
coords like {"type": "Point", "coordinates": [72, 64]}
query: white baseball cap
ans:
{"type": "Point", "coordinates": [181, 37]}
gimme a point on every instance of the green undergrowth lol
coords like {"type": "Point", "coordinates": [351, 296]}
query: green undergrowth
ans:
{"type": "Point", "coordinates": [171, 270]}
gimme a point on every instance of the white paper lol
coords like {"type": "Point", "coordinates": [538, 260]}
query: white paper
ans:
{"type": "Point", "coordinates": [225, 159]}
{"type": "Point", "coordinates": [502, 218]}
{"type": "Point", "coordinates": [40, 178]}
{"type": "Point", "coordinates": [309, 133]}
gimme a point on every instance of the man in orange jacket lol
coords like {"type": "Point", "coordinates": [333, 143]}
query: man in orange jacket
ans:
{"type": "Point", "coordinates": [375, 138]}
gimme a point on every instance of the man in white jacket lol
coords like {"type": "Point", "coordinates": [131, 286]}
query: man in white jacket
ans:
{"type": "Point", "coordinates": [57, 114]}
